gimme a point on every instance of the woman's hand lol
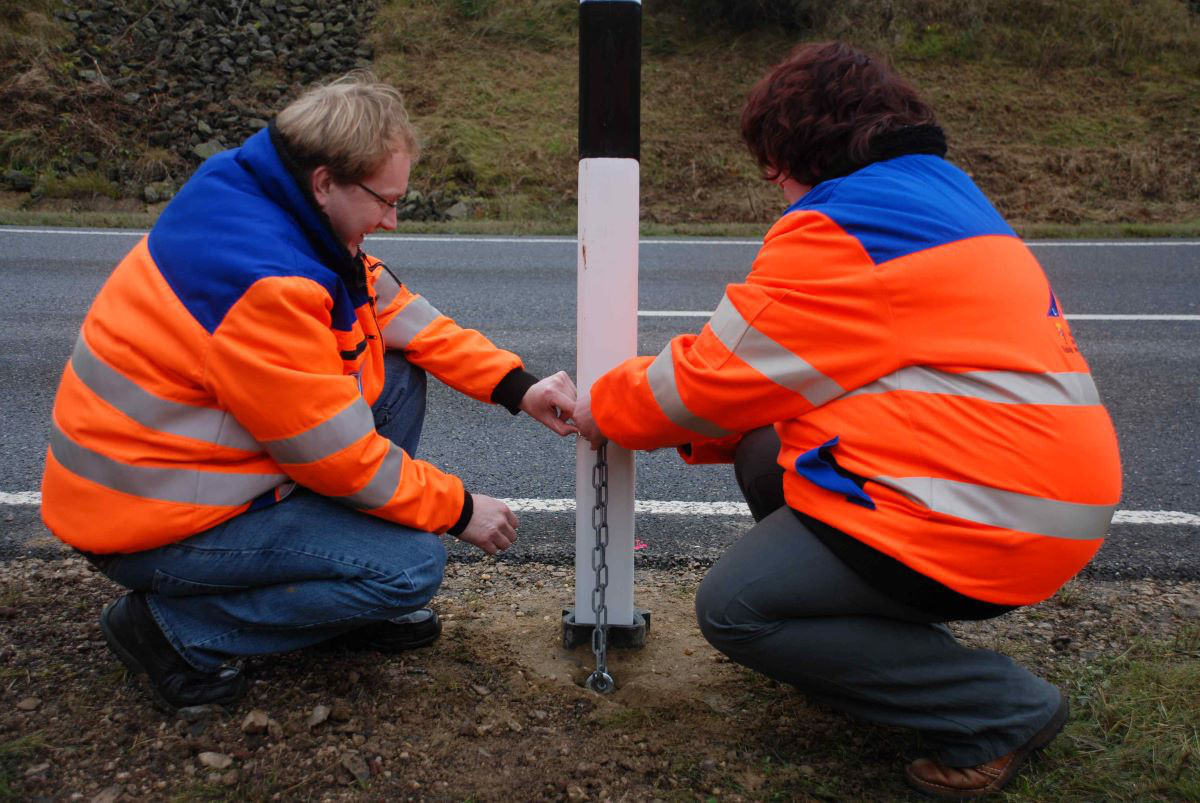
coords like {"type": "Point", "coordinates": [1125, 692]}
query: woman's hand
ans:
{"type": "Point", "coordinates": [588, 430]}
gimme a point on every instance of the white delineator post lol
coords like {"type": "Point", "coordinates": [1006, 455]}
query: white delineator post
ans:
{"type": "Point", "coordinates": [607, 295]}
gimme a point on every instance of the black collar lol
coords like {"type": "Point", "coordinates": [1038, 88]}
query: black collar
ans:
{"type": "Point", "coordinates": [927, 139]}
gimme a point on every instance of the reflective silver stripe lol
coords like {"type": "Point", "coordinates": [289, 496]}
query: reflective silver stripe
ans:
{"type": "Point", "coordinates": [770, 359]}
{"type": "Point", "coordinates": [328, 437]}
{"type": "Point", "coordinates": [382, 487]}
{"type": "Point", "coordinates": [386, 289]}
{"type": "Point", "coordinates": [1002, 387]}
{"type": "Point", "coordinates": [166, 484]}
{"type": "Point", "coordinates": [200, 423]}
{"type": "Point", "coordinates": [415, 316]}
{"type": "Point", "coordinates": [661, 377]}
{"type": "Point", "coordinates": [1006, 509]}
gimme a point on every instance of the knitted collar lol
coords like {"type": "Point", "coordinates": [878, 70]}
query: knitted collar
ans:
{"type": "Point", "coordinates": [927, 139]}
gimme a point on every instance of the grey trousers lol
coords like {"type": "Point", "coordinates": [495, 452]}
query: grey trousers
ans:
{"type": "Point", "coordinates": [779, 602]}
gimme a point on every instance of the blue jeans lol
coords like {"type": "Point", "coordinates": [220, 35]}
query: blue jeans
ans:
{"type": "Point", "coordinates": [298, 572]}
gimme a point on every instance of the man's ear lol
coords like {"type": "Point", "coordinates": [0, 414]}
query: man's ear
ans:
{"type": "Point", "coordinates": [321, 183]}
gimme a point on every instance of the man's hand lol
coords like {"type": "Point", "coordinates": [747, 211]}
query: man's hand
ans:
{"type": "Point", "coordinates": [552, 401]}
{"type": "Point", "coordinates": [493, 527]}
{"type": "Point", "coordinates": [586, 425]}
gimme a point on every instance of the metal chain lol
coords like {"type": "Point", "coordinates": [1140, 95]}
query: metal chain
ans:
{"type": "Point", "coordinates": [600, 680]}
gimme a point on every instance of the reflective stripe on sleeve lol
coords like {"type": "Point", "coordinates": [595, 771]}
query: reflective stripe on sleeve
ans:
{"type": "Point", "coordinates": [206, 424]}
{"type": "Point", "coordinates": [769, 358]}
{"type": "Point", "coordinates": [1007, 509]}
{"type": "Point", "coordinates": [165, 484]}
{"type": "Point", "coordinates": [327, 438]}
{"type": "Point", "coordinates": [1001, 387]}
{"type": "Point", "coordinates": [379, 491]}
{"type": "Point", "coordinates": [661, 377]}
{"type": "Point", "coordinates": [386, 288]}
{"type": "Point", "coordinates": [408, 323]}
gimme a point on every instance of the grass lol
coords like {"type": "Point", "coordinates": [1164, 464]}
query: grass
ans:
{"type": "Point", "coordinates": [14, 755]}
{"type": "Point", "coordinates": [1082, 126]}
{"type": "Point", "coordinates": [1134, 733]}
{"type": "Point", "coordinates": [1077, 117]}
{"type": "Point", "coordinates": [533, 227]}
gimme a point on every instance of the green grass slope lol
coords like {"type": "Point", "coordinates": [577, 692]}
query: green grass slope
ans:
{"type": "Point", "coordinates": [1073, 115]}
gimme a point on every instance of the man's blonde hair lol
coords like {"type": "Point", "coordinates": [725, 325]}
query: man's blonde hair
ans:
{"type": "Point", "coordinates": [352, 126]}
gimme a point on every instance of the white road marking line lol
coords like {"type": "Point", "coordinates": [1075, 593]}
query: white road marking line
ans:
{"type": "Point", "coordinates": [464, 238]}
{"type": "Point", "coordinates": [1155, 517]}
{"type": "Point", "coordinates": [93, 232]}
{"type": "Point", "coordinates": [1122, 317]}
{"type": "Point", "coordinates": [682, 508]}
{"type": "Point", "coordinates": [1106, 244]}
{"type": "Point", "coordinates": [673, 313]}
{"type": "Point", "coordinates": [695, 313]}
{"type": "Point", "coordinates": [677, 508]}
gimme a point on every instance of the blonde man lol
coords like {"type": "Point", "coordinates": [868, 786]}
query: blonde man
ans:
{"type": "Point", "coordinates": [233, 437]}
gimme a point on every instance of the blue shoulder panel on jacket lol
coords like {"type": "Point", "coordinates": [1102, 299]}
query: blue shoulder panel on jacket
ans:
{"type": "Point", "coordinates": [904, 205]}
{"type": "Point", "coordinates": [239, 219]}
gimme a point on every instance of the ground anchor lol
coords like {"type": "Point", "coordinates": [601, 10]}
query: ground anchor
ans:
{"type": "Point", "coordinates": [632, 636]}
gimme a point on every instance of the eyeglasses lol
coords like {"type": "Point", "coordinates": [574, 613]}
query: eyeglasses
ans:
{"type": "Point", "coordinates": [393, 204]}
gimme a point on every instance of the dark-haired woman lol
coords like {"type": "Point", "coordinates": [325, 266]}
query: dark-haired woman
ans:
{"type": "Point", "coordinates": [917, 435]}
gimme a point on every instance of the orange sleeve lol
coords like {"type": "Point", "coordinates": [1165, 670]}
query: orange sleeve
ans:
{"type": "Point", "coordinates": [274, 364]}
{"type": "Point", "coordinates": [807, 325]}
{"type": "Point", "coordinates": [462, 358]}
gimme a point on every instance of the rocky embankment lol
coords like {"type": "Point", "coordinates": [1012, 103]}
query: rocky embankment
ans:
{"type": "Point", "coordinates": [151, 89]}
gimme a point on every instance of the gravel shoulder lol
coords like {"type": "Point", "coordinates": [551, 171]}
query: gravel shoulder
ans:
{"type": "Point", "coordinates": [495, 709]}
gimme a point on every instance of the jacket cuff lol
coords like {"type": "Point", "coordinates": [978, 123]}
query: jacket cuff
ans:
{"type": "Point", "coordinates": [714, 450]}
{"type": "Point", "coordinates": [464, 518]}
{"type": "Point", "coordinates": [512, 389]}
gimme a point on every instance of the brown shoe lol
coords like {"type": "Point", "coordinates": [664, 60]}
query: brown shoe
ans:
{"type": "Point", "coordinates": [933, 778]}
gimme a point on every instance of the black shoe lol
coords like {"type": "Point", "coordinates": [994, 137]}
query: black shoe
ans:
{"type": "Point", "coordinates": [131, 633]}
{"type": "Point", "coordinates": [407, 632]}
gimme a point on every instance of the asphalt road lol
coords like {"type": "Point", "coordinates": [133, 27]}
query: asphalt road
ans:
{"type": "Point", "coordinates": [521, 292]}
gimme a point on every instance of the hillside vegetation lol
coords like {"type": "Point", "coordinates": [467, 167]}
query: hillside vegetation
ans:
{"type": "Point", "coordinates": [1065, 111]}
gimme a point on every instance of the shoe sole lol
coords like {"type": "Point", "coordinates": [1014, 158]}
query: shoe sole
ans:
{"type": "Point", "coordinates": [1038, 742]}
{"type": "Point", "coordinates": [348, 643]}
{"type": "Point", "coordinates": [425, 642]}
{"type": "Point", "coordinates": [130, 661]}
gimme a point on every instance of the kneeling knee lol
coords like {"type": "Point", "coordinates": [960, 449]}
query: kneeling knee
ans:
{"type": "Point", "coordinates": [717, 614]}
{"type": "Point", "coordinates": [417, 578]}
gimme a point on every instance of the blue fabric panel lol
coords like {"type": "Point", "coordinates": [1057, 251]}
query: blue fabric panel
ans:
{"type": "Point", "coordinates": [239, 219]}
{"type": "Point", "coordinates": [264, 499]}
{"type": "Point", "coordinates": [818, 467]}
{"type": "Point", "coordinates": [904, 205]}
{"type": "Point", "coordinates": [1053, 313]}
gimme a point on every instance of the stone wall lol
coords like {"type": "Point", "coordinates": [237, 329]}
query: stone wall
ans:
{"type": "Point", "coordinates": [190, 78]}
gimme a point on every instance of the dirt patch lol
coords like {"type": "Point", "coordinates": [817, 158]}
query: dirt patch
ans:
{"type": "Point", "coordinates": [493, 711]}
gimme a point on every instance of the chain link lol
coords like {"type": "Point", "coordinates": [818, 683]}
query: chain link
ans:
{"type": "Point", "coordinates": [600, 680]}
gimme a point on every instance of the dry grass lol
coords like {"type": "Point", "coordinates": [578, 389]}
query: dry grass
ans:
{"type": "Point", "coordinates": [494, 710]}
{"type": "Point", "coordinates": [1082, 134]}
{"type": "Point", "coordinates": [1067, 113]}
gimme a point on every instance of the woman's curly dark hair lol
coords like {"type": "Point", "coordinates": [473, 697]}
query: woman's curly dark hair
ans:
{"type": "Point", "coordinates": [820, 108]}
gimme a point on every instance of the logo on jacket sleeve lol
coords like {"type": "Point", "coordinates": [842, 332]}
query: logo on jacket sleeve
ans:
{"type": "Point", "coordinates": [1066, 339]}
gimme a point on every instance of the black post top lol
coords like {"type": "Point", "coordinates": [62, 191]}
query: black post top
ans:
{"type": "Point", "coordinates": [610, 76]}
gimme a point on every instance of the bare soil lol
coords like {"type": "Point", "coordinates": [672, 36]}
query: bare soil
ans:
{"type": "Point", "coordinates": [494, 711]}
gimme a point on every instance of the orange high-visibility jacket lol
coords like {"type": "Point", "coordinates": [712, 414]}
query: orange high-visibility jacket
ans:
{"type": "Point", "coordinates": [234, 352]}
{"type": "Point", "coordinates": [928, 394]}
